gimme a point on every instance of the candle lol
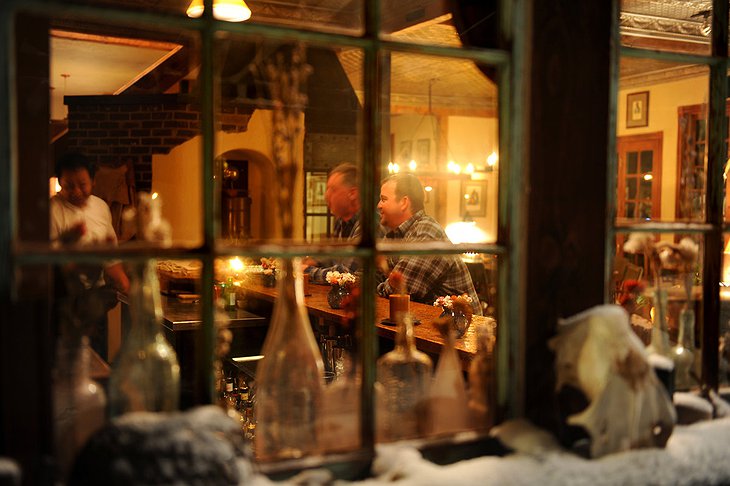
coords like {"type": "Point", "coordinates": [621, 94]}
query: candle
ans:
{"type": "Point", "coordinates": [399, 306]}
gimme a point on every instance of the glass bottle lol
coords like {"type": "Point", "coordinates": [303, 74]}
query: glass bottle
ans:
{"type": "Point", "coordinates": [229, 295]}
{"type": "Point", "coordinates": [659, 333]}
{"type": "Point", "coordinates": [448, 401]}
{"type": "Point", "coordinates": [683, 352]}
{"type": "Point", "coordinates": [289, 383]}
{"type": "Point", "coordinates": [79, 403]}
{"type": "Point", "coordinates": [403, 380]}
{"type": "Point", "coordinates": [145, 376]}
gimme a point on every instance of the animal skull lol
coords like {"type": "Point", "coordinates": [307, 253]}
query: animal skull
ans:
{"type": "Point", "coordinates": [599, 354]}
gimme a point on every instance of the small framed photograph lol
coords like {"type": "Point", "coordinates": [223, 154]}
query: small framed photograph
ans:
{"type": "Point", "coordinates": [474, 198]}
{"type": "Point", "coordinates": [423, 153]}
{"type": "Point", "coordinates": [637, 109]}
{"type": "Point", "coordinates": [405, 150]}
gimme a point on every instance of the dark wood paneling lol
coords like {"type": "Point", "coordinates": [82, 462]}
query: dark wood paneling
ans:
{"type": "Point", "coordinates": [568, 138]}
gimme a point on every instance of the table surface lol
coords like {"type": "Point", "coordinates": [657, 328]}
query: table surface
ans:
{"type": "Point", "coordinates": [428, 338]}
{"type": "Point", "coordinates": [186, 315]}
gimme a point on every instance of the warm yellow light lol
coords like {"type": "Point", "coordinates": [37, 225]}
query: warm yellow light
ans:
{"type": "Point", "coordinates": [428, 188]}
{"type": "Point", "coordinates": [154, 195]}
{"type": "Point", "coordinates": [54, 186]}
{"type": "Point", "coordinates": [228, 10]}
{"type": "Point", "coordinates": [454, 167]}
{"type": "Point", "coordinates": [412, 165]}
{"type": "Point", "coordinates": [393, 168]}
{"type": "Point", "coordinates": [648, 177]}
{"type": "Point", "coordinates": [236, 264]}
{"type": "Point", "coordinates": [492, 159]}
{"type": "Point", "coordinates": [465, 232]}
{"type": "Point", "coordinates": [469, 168]}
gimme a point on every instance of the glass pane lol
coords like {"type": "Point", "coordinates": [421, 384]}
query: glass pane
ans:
{"type": "Point", "coordinates": [631, 162]}
{"type": "Point", "coordinates": [265, 130]}
{"type": "Point", "coordinates": [443, 23]}
{"type": "Point", "coordinates": [122, 122]}
{"type": "Point", "coordinates": [639, 282]}
{"type": "Point", "coordinates": [646, 159]}
{"type": "Point", "coordinates": [336, 16]}
{"type": "Point", "coordinates": [666, 25]}
{"type": "Point", "coordinates": [631, 188]}
{"type": "Point", "coordinates": [661, 138]}
{"type": "Point", "coordinates": [432, 305]}
{"type": "Point", "coordinates": [445, 133]}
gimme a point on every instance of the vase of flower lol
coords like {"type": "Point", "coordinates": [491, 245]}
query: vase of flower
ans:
{"type": "Point", "coordinates": [458, 310]}
{"type": "Point", "coordinates": [336, 294]}
{"type": "Point", "coordinates": [683, 352]}
{"type": "Point", "coordinates": [268, 279]}
{"type": "Point", "coordinates": [342, 284]}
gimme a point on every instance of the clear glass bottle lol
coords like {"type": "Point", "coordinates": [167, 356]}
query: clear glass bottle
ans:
{"type": "Point", "coordinates": [683, 352]}
{"type": "Point", "coordinates": [289, 378]}
{"type": "Point", "coordinates": [79, 403]}
{"type": "Point", "coordinates": [145, 375]}
{"type": "Point", "coordinates": [402, 388]}
{"type": "Point", "coordinates": [448, 402]}
{"type": "Point", "coordinates": [659, 333]}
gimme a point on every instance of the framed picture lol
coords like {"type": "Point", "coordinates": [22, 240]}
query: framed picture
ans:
{"type": "Point", "coordinates": [474, 198]}
{"type": "Point", "coordinates": [404, 151]}
{"type": "Point", "coordinates": [423, 153]}
{"type": "Point", "coordinates": [637, 109]}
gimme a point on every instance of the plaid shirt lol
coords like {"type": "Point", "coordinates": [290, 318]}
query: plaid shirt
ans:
{"type": "Point", "coordinates": [429, 277]}
{"type": "Point", "coordinates": [343, 231]}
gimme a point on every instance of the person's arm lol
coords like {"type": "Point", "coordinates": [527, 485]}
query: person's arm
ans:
{"type": "Point", "coordinates": [117, 274]}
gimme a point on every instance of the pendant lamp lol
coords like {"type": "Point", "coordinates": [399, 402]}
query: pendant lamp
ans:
{"type": "Point", "coordinates": [228, 10]}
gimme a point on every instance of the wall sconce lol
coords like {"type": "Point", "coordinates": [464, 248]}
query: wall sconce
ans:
{"type": "Point", "coordinates": [412, 165]}
{"type": "Point", "coordinates": [492, 160]}
{"type": "Point", "coordinates": [393, 168]}
{"type": "Point", "coordinates": [228, 10]}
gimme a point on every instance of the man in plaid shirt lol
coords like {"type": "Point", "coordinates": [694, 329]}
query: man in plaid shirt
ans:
{"type": "Point", "coordinates": [426, 278]}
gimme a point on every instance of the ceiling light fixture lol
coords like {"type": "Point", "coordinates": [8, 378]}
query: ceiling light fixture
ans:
{"type": "Point", "coordinates": [228, 10]}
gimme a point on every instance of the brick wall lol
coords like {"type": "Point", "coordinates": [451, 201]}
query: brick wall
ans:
{"type": "Point", "coordinates": [113, 130]}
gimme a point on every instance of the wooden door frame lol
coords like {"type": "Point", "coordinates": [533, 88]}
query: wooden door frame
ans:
{"type": "Point", "coordinates": [656, 139]}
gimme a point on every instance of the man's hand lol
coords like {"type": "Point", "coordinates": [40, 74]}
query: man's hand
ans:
{"type": "Point", "coordinates": [73, 234]}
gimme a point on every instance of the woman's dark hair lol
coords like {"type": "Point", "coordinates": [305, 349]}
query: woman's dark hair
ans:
{"type": "Point", "coordinates": [74, 161]}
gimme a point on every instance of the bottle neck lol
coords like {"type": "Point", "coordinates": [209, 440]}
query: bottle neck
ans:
{"type": "Point", "coordinates": [404, 337]}
{"type": "Point", "coordinates": [144, 298]}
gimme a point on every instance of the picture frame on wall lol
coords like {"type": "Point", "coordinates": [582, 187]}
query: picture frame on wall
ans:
{"type": "Point", "coordinates": [637, 109]}
{"type": "Point", "coordinates": [473, 199]}
{"type": "Point", "coordinates": [423, 153]}
{"type": "Point", "coordinates": [405, 149]}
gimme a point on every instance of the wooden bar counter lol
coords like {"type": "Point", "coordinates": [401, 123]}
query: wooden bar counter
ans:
{"type": "Point", "coordinates": [427, 337]}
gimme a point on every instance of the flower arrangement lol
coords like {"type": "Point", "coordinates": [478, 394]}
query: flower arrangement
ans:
{"type": "Point", "coordinates": [448, 301]}
{"type": "Point", "coordinates": [269, 265]}
{"type": "Point", "coordinates": [343, 279]}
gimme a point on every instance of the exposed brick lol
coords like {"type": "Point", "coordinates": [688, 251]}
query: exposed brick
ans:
{"type": "Point", "coordinates": [88, 124]}
{"type": "Point", "coordinates": [97, 116]}
{"type": "Point", "coordinates": [161, 150]}
{"type": "Point", "coordinates": [139, 150]}
{"type": "Point", "coordinates": [161, 132]}
{"type": "Point", "coordinates": [118, 133]}
{"type": "Point", "coordinates": [139, 132]}
{"type": "Point", "coordinates": [108, 108]}
{"type": "Point", "coordinates": [174, 141]}
{"type": "Point", "coordinates": [186, 133]}
{"type": "Point", "coordinates": [140, 116]}
{"type": "Point", "coordinates": [151, 141]}
{"type": "Point", "coordinates": [119, 116]}
{"type": "Point", "coordinates": [181, 115]}
{"type": "Point", "coordinates": [120, 150]}
{"type": "Point", "coordinates": [130, 124]}
{"type": "Point", "coordinates": [109, 125]}
{"type": "Point", "coordinates": [175, 124]}
{"type": "Point", "coordinates": [161, 115]}
{"type": "Point", "coordinates": [88, 142]}
{"type": "Point", "coordinates": [98, 133]}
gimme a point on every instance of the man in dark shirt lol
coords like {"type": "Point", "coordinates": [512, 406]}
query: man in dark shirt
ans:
{"type": "Point", "coordinates": [343, 200]}
{"type": "Point", "coordinates": [426, 278]}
